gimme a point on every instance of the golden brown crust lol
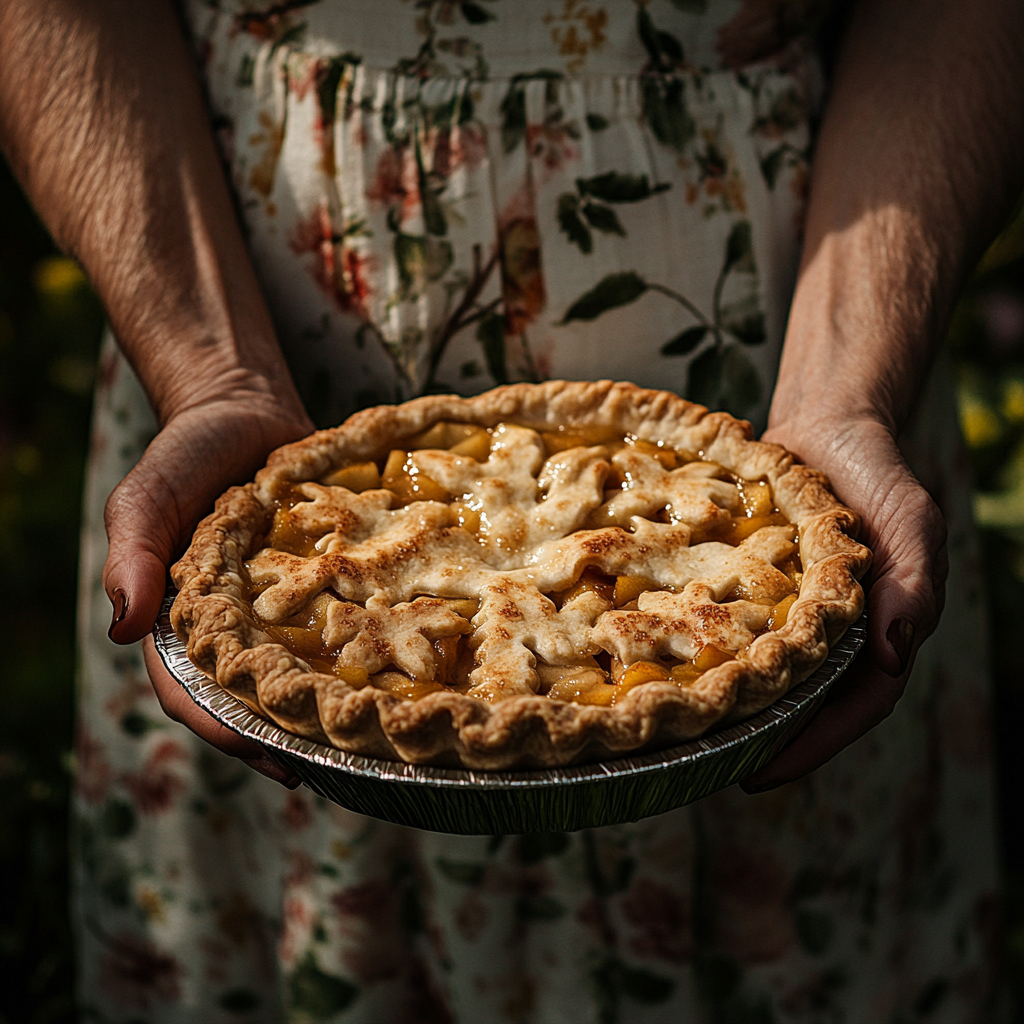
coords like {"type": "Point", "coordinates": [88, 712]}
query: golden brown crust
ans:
{"type": "Point", "coordinates": [214, 615]}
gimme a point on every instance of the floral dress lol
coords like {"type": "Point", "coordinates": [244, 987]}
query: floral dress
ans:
{"type": "Point", "coordinates": [444, 195]}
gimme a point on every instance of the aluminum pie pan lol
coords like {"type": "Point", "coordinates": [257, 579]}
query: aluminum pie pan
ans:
{"type": "Point", "coordinates": [473, 802]}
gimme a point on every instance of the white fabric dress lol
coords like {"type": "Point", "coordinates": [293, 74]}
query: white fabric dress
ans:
{"type": "Point", "coordinates": [445, 195]}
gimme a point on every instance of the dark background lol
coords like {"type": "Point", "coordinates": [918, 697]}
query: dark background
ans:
{"type": "Point", "coordinates": [50, 325]}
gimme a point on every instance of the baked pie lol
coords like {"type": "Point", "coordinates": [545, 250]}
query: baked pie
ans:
{"type": "Point", "coordinates": [540, 575]}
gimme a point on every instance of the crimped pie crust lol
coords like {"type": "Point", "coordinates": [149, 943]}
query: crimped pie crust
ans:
{"type": "Point", "coordinates": [214, 614]}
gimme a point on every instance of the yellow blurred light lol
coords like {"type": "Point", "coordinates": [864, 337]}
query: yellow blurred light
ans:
{"type": "Point", "coordinates": [1013, 401]}
{"type": "Point", "coordinates": [57, 276]}
{"type": "Point", "coordinates": [979, 423]}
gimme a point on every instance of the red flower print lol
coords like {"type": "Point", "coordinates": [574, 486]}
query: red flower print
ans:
{"type": "Point", "coordinates": [296, 814]}
{"type": "Point", "coordinates": [753, 918]}
{"type": "Point", "coordinates": [662, 921]}
{"type": "Point", "coordinates": [367, 900]}
{"type": "Point", "coordinates": [452, 148]}
{"type": "Point", "coordinates": [471, 917]}
{"type": "Point", "coordinates": [339, 270]}
{"type": "Point", "coordinates": [134, 972]}
{"type": "Point", "coordinates": [396, 181]}
{"type": "Point", "coordinates": [155, 787]}
{"type": "Point", "coordinates": [301, 868]}
{"type": "Point", "coordinates": [369, 918]}
{"type": "Point", "coordinates": [92, 770]}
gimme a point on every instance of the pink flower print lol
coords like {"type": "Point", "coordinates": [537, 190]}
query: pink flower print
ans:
{"type": "Point", "coordinates": [155, 787]}
{"type": "Point", "coordinates": [454, 147]}
{"type": "Point", "coordinates": [661, 919]}
{"type": "Point", "coordinates": [522, 278]}
{"type": "Point", "coordinates": [92, 770]}
{"type": "Point", "coordinates": [553, 143]}
{"type": "Point", "coordinates": [134, 972]}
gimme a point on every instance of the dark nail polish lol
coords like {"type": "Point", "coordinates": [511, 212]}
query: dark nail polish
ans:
{"type": "Point", "coordinates": [900, 635]}
{"type": "Point", "coordinates": [120, 602]}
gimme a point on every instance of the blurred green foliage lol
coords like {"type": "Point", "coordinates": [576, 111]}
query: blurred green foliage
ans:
{"type": "Point", "coordinates": [50, 326]}
{"type": "Point", "coordinates": [987, 344]}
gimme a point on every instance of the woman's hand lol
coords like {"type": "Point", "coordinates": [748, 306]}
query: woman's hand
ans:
{"type": "Point", "coordinates": [914, 171]}
{"type": "Point", "coordinates": [102, 119]}
{"type": "Point", "coordinates": [906, 585]}
{"type": "Point", "coordinates": [150, 517]}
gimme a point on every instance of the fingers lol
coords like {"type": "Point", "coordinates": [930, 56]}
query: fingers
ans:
{"type": "Point", "coordinates": [907, 535]}
{"type": "Point", "coordinates": [180, 707]}
{"type": "Point", "coordinates": [857, 703]}
{"type": "Point", "coordinates": [151, 514]}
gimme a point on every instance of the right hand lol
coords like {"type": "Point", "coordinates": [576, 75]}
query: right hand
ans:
{"type": "Point", "coordinates": [151, 514]}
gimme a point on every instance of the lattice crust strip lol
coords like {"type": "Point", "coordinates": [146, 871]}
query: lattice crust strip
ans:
{"type": "Point", "coordinates": [447, 617]}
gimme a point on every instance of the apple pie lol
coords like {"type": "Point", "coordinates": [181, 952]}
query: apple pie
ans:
{"type": "Point", "coordinates": [541, 575]}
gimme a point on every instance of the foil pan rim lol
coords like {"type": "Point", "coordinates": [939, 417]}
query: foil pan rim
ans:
{"type": "Point", "coordinates": [233, 714]}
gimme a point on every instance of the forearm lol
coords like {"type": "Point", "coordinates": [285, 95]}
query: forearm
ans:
{"type": "Point", "coordinates": [102, 119]}
{"type": "Point", "coordinates": [921, 153]}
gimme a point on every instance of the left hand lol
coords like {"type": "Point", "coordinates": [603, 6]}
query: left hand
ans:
{"type": "Point", "coordinates": [906, 584]}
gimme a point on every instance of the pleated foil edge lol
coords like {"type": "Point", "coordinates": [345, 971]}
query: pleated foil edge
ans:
{"type": "Point", "coordinates": [468, 802]}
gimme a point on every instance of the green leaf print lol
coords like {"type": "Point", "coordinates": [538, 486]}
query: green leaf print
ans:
{"type": "Point", "coordinates": [490, 332]}
{"type": "Point", "coordinates": [664, 50]}
{"type": "Point", "coordinates": [664, 107]}
{"type": "Point", "coordinates": [239, 1000]}
{"type": "Point", "coordinates": [814, 930]}
{"type": "Point", "coordinates": [603, 218]}
{"type": "Point", "coordinates": [118, 819]}
{"type": "Point", "coordinates": [421, 259]}
{"type": "Point", "coordinates": [685, 342]}
{"type": "Point", "coordinates": [570, 221]}
{"type": "Point", "coordinates": [461, 871]}
{"type": "Point", "coordinates": [645, 987]}
{"type": "Point", "coordinates": [772, 164]}
{"type": "Point", "coordinates": [474, 13]}
{"type": "Point", "coordinates": [739, 249]}
{"type": "Point", "coordinates": [320, 995]}
{"type": "Point", "coordinates": [327, 88]}
{"type": "Point", "coordinates": [745, 321]}
{"type": "Point", "coordinates": [539, 908]}
{"type": "Point", "coordinates": [613, 187]}
{"type": "Point", "coordinates": [513, 117]}
{"type": "Point", "coordinates": [724, 378]}
{"type": "Point", "coordinates": [535, 846]}
{"type": "Point", "coordinates": [610, 292]}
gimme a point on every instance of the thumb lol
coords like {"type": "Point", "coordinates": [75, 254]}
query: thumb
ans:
{"type": "Point", "coordinates": [144, 531]}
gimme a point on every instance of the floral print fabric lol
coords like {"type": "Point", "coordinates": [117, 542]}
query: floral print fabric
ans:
{"type": "Point", "coordinates": [471, 213]}
{"type": "Point", "coordinates": [449, 195]}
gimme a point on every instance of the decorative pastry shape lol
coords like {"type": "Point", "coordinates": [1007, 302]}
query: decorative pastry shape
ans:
{"type": "Point", "coordinates": [539, 575]}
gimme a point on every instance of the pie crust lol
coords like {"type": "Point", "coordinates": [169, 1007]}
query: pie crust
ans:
{"type": "Point", "coordinates": [553, 665]}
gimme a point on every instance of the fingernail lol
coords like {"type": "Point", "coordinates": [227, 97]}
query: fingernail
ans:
{"type": "Point", "coordinates": [120, 603]}
{"type": "Point", "coordinates": [900, 635]}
